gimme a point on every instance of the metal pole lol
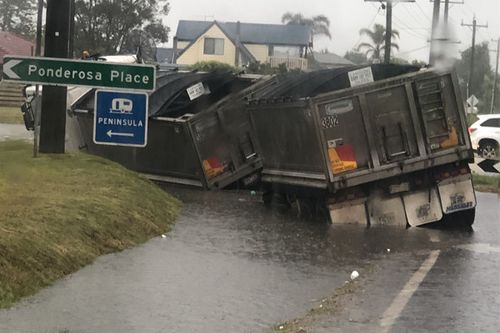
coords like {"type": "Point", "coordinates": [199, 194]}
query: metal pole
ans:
{"type": "Point", "coordinates": [53, 119]}
{"type": "Point", "coordinates": [388, 32]}
{"type": "Point", "coordinates": [473, 51]}
{"type": "Point", "coordinates": [494, 92]}
{"type": "Point", "coordinates": [38, 51]}
{"type": "Point", "coordinates": [446, 11]}
{"type": "Point", "coordinates": [474, 26]}
{"type": "Point", "coordinates": [435, 22]}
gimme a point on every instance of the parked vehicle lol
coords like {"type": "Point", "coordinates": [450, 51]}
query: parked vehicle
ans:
{"type": "Point", "coordinates": [393, 151]}
{"type": "Point", "coordinates": [485, 136]}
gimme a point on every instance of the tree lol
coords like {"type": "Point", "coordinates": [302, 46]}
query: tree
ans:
{"type": "Point", "coordinates": [482, 74]}
{"type": "Point", "coordinates": [375, 49]}
{"type": "Point", "coordinates": [356, 57]}
{"type": "Point", "coordinates": [320, 24]}
{"type": "Point", "coordinates": [102, 26]}
{"type": "Point", "coordinates": [18, 16]}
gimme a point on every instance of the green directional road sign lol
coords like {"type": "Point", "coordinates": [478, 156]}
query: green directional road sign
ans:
{"type": "Point", "coordinates": [64, 72]}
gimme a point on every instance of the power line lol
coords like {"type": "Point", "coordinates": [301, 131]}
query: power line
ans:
{"type": "Point", "coordinates": [388, 26]}
{"type": "Point", "coordinates": [410, 31]}
{"type": "Point", "coordinates": [371, 24]}
{"type": "Point", "coordinates": [414, 50]}
{"type": "Point", "coordinates": [412, 15]}
{"type": "Point", "coordinates": [475, 26]}
{"type": "Point", "coordinates": [423, 12]}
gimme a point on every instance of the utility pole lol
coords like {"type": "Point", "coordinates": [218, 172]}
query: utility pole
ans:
{"type": "Point", "coordinates": [447, 4]}
{"type": "Point", "coordinates": [474, 26]}
{"type": "Point", "coordinates": [388, 32]}
{"type": "Point", "coordinates": [37, 98]}
{"type": "Point", "coordinates": [435, 22]}
{"type": "Point", "coordinates": [388, 26]}
{"type": "Point", "coordinates": [53, 118]}
{"type": "Point", "coordinates": [494, 92]}
{"type": "Point", "coordinates": [446, 11]}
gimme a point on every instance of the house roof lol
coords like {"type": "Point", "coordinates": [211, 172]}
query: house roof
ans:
{"type": "Point", "coordinates": [165, 55]}
{"type": "Point", "coordinates": [244, 51]}
{"type": "Point", "coordinates": [250, 33]}
{"type": "Point", "coordinates": [331, 59]}
{"type": "Point", "coordinates": [12, 44]}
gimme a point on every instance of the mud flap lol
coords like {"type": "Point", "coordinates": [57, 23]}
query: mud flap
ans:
{"type": "Point", "coordinates": [385, 210]}
{"type": "Point", "coordinates": [423, 207]}
{"type": "Point", "coordinates": [457, 194]}
{"type": "Point", "coordinates": [351, 212]}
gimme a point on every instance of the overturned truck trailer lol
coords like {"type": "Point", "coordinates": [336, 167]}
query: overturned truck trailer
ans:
{"type": "Point", "coordinates": [203, 140]}
{"type": "Point", "coordinates": [392, 147]}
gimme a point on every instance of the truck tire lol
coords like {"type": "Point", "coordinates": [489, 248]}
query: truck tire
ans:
{"type": "Point", "coordinates": [462, 219]}
{"type": "Point", "coordinates": [489, 149]}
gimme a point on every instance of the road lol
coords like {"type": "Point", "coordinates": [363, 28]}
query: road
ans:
{"type": "Point", "coordinates": [232, 265]}
{"type": "Point", "coordinates": [14, 132]}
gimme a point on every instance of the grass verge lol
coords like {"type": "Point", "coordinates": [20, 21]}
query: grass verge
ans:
{"type": "Point", "coordinates": [486, 183]}
{"type": "Point", "coordinates": [59, 212]}
{"type": "Point", "coordinates": [11, 115]}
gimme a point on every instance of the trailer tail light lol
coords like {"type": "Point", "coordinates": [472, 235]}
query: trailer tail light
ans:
{"type": "Point", "coordinates": [472, 130]}
{"type": "Point", "coordinates": [450, 174]}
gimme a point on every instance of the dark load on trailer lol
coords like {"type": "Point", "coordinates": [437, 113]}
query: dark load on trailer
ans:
{"type": "Point", "coordinates": [376, 145]}
{"type": "Point", "coordinates": [204, 141]}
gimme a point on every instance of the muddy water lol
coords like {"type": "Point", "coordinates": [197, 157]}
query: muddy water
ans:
{"type": "Point", "coordinates": [229, 265]}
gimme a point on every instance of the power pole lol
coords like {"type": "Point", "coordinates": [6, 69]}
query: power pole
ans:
{"type": "Point", "coordinates": [435, 22]}
{"type": "Point", "coordinates": [494, 92]}
{"type": "Point", "coordinates": [388, 26]}
{"type": "Point", "coordinates": [38, 52]}
{"type": "Point", "coordinates": [388, 32]}
{"type": "Point", "coordinates": [474, 26]}
{"type": "Point", "coordinates": [446, 11]}
{"type": "Point", "coordinates": [53, 118]}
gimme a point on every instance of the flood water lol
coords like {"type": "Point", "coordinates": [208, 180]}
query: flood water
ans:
{"type": "Point", "coordinates": [229, 265]}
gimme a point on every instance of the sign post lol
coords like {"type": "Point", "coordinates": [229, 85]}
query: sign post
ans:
{"type": "Point", "coordinates": [65, 72]}
{"type": "Point", "coordinates": [121, 118]}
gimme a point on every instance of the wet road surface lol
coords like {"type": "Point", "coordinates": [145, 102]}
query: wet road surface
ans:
{"type": "Point", "coordinates": [459, 293]}
{"type": "Point", "coordinates": [14, 132]}
{"type": "Point", "coordinates": [232, 265]}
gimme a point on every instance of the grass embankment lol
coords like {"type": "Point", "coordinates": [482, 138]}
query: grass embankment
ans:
{"type": "Point", "coordinates": [11, 115]}
{"type": "Point", "coordinates": [486, 183]}
{"type": "Point", "coordinates": [59, 212]}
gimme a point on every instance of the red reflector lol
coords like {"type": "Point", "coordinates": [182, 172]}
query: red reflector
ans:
{"type": "Point", "coordinates": [472, 129]}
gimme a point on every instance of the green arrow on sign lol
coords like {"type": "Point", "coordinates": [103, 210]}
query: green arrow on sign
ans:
{"type": "Point", "coordinates": [64, 72]}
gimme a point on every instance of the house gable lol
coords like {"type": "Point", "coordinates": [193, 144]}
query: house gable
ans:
{"type": "Point", "coordinates": [195, 51]}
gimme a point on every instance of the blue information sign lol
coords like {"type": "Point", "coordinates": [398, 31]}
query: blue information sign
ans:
{"type": "Point", "coordinates": [121, 118]}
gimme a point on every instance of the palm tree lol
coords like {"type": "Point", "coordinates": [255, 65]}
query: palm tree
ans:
{"type": "Point", "coordinates": [320, 24]}
{"type": "Point", "coordinates": [375, 49]}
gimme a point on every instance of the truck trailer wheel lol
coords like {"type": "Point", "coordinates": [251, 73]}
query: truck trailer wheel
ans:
{"type": "Point", "coordinates": [462, 219]}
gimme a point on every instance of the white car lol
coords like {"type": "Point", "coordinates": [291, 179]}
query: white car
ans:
{"type": "Point", "coordinates": [485, 136]}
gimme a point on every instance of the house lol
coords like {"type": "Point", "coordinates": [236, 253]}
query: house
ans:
{"type": "Point", "coordinates": [165, 55]}
{"type": "Point", "coordinates": [239, 44]}
{"type": "Point", "coordinates": [12, 44]}
{"type": "Point", "coordinates": [331, 60]}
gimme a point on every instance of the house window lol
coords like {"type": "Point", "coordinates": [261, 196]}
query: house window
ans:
{"type": "Point", "coordinates": [214, 46]}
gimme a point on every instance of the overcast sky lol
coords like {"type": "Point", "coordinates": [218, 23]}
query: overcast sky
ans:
{"type": "Point", "coordinates": [413, 20]}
